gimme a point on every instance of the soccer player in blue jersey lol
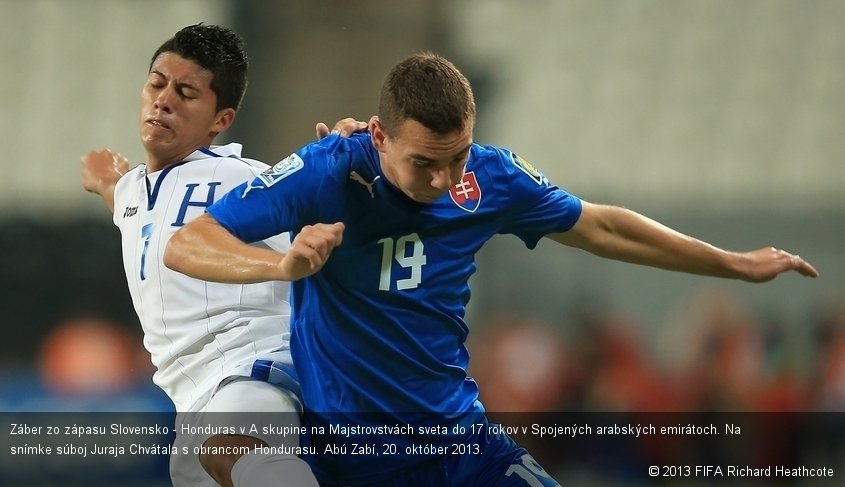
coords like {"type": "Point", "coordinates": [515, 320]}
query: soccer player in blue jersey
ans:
{"type": "Point", "coordinates": [395, 217]}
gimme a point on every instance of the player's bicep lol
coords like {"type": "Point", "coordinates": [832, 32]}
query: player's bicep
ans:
{"type": "Point", "coordinates": [200, 237]}
{"type": "Point", "coordinates": [585, 230]}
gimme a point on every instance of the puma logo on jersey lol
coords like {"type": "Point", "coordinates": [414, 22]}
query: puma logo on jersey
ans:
{"type": "Point", "coordinates": [130, 211]}
{"type": "Point", "coordinates": [360, 179]}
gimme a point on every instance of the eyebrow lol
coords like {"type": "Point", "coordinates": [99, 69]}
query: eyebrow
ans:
{"type": "Point", "coordinates": [418, 157]}
{"type": "Point", "coordinates": [458, 155]}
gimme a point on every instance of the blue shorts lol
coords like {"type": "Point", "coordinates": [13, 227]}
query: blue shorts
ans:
{"type": "Point", "coordinates": [499, 463]}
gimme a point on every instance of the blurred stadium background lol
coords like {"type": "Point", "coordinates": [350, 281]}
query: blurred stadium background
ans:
{"type": "Point", "coordinates": [724, 119]}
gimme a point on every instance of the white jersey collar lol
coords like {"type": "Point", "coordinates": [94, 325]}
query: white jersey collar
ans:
{"type": "Point", "coordinates": [228, 150]}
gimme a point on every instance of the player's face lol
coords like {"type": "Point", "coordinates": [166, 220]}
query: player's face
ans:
{"type": "Point", "coordinates": [178, 110]}
{"type": "Point", "coordinates": [422, 164]}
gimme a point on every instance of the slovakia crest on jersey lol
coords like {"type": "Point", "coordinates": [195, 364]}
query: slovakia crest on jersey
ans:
{"type": "Point", "coordinates": [467, 193]}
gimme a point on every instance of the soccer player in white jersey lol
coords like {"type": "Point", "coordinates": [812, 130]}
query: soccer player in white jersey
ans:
{"type": "Point", "coordinates": [218, 348]}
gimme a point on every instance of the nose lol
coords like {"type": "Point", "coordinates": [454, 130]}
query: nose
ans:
{"type": "Point", "coordinates": [163, 100]}
{"type": "Point", "coordinates": [441, 179]}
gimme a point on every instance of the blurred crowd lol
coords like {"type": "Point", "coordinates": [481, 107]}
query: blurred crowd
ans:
{"type": "Point", "coordinates": [712, 354]}
{"type": "Point", "coordinates": [713, 361]}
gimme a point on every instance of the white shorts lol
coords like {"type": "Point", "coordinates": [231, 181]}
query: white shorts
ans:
{"type": "Point", "coordinates": [239, 405]}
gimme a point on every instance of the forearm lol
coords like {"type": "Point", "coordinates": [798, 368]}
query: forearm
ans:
{"type": "Point", "coordinates": [108, 198]}
{"type": "Point", "coordinates": [103, 188]}
{"type": "Point", "coordinates": [641, 240]}
{"type": "Point", "coordinates": [621, 234]}
{"type": "Point", "coordinates": [205, 250]}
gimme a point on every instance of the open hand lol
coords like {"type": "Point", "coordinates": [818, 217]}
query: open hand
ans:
{"type": "Point", "coordinates": [767, 263]}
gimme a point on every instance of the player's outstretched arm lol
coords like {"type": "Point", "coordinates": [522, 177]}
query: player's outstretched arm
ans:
{"type": "Point", "coordinates": [100, 171]}
{"type": "Point", "coordinates": [205, 250]}
{"type": "Point", "coordinates": [621, 234]}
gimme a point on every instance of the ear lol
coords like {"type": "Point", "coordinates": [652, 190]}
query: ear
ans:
{"type": "Point", "coordinates": [225, 119]}
{"type": "Point", "coordinates": [379, 136]}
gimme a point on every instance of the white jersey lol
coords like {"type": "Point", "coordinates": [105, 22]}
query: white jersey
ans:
{"type": "Point", "coordinates": [197, 332]}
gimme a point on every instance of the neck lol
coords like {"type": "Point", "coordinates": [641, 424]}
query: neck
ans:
{"type": "Point", "coordinates": [155, 164]}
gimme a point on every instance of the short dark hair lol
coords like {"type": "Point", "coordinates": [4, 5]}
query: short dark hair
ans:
{"type": "Point", "coordinates": [429, 89]}
{"type": "Point", "coordinates": [217, 49]}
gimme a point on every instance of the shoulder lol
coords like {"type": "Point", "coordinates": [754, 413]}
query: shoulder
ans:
{"type": "Point", "coordinates": [244, 165]}
{"type": "Point", "coordinates": [132, 175]}
{"type": "Point", "coordinates": [491, 157]}
{"type": "Point", "coordinates": [227, 157]}
{"type": "Point", "coordinates": [490, 161]}
{"type": "Point", "coordinates": [335, 148]}
{"type": "Point", "coordinates": [251, 163]}
{"type": "Point", "coordinates": [136, 172]}
{"type": "Point", "coordinates": [224, 168]}
{"type": "Point", "coordinates": [323, 165]}
{"type": "Point", "coordinates": [504, 162]}
{"type": "Point", "coordinates": [335, 157]}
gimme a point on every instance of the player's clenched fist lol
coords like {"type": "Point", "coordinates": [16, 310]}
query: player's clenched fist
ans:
{"type": "Point", "coordinates": [100, 171]}
{"type": "Point", "coordinates": [102, 168]}
{"type": "Point", "coordinates": [310, 250]}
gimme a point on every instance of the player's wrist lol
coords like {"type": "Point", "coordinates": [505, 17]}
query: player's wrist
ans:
{"type": "Point", "coordinates": [739, 266]}
{"type": "Point", "coordinates": [284, 269]}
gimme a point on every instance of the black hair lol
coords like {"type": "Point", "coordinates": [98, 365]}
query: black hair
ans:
{"type": "Point", "coordinates": [217, 49]}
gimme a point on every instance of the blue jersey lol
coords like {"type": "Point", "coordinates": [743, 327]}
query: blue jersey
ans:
{"type": "Point", "coordinates": [380, 329]}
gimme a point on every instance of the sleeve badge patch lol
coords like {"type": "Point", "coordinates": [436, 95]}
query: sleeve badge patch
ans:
{"type": "Point", "coordinates": [528, 169]}
{"type": "Point", "coordinates": [282, 169]}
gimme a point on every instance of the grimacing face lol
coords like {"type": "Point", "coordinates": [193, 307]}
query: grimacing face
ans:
{"type": "Point", "coordinates": [178, 110]}
{"type": "Point", "coordinates": [422, 164]}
